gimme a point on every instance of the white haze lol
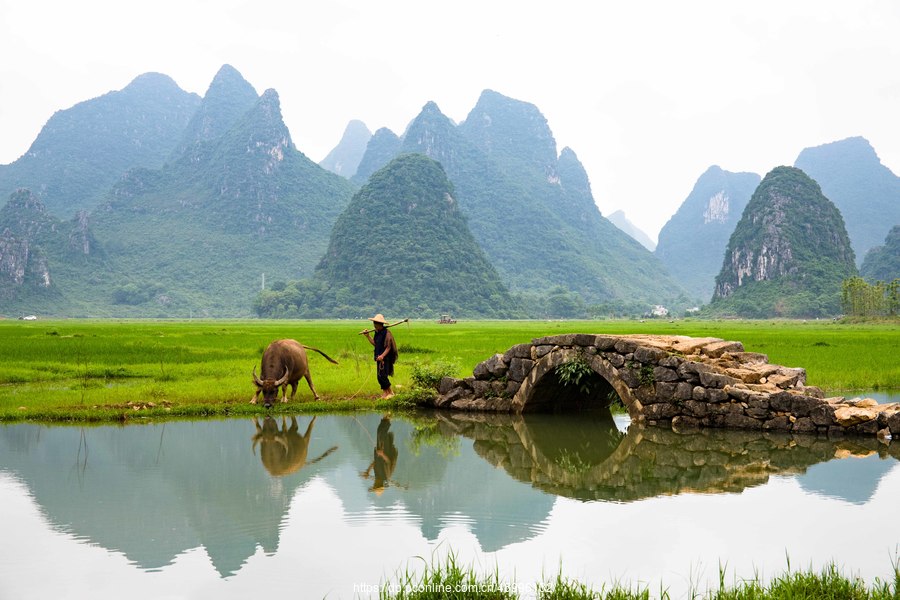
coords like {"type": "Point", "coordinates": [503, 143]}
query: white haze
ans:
{"type": "Point", "coordinates": [648, 94]}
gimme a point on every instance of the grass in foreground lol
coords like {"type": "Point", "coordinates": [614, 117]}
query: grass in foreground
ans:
{"type": "Point", "coordinates": [449, 580]}
{"type": "Point", "coordinates": [119, 370]}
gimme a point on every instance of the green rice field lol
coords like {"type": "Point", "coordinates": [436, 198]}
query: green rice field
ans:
{"type": "Point", "coordinates": [118, 370]}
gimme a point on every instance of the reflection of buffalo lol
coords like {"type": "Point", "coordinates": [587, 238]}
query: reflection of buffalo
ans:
{"type": "Point", "coordinates": [283, 451]}
{"type": "Point", "coordinates": [284, 362]}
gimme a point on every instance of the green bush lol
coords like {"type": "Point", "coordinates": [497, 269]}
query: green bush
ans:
{"type": "Point", "coordinates": [429, 375]}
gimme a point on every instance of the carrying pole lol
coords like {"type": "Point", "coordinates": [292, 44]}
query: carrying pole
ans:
{"type": "Point", "coordinates": [386, 325]}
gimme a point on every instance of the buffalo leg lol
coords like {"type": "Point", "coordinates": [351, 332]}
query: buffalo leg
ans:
{"type": "Point", "coordinates": [311, 388]}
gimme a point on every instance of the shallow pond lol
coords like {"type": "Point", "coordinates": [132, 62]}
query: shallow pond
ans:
{"type": "Point", "coordinates": [339, 504]}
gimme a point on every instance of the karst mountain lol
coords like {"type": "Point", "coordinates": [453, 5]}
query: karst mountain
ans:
{"type": "Point", "coordinates": [531, 208]}
{"type": "Point", "coordinates": [83, 150]}
{"type": "Point", "coordinates": [788, 254]}
{"type": "Point", "coordinates": [401, 247]}
{"type": "Point", "coordinates": [236, 202]}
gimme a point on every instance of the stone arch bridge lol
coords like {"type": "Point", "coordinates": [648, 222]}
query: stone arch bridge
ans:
{"type": "Point", "coordinates": [678, 381]}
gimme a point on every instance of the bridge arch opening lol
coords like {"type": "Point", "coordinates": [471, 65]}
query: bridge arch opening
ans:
{"type": "Point", "coordinates": [549, 389]}
{"type": "Point", "coordinates": [550, 394]}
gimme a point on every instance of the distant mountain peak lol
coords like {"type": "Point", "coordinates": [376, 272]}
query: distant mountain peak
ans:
{"type": "Point", "coordinates": [865, 191]}
{"type": "Point", "coordinates": [227, 99]}
{"type": "Point", "coordinates": [262, 129]}
{"type": "Point", "coordinates": [151, 80]}
{"type": "Point", "coordinates": [433, 133]}
{"type": "Point", "coordinates": [693, 241]}
{"type": "Point", "coordinates": [253, 149]}
{"type": "Point", "coordinates": [83, 150]}
{"type": "Point", "coordinates": [344, 158]}
{"type": "Point", "coordinates": [619, 219]}
{"type": "Point", "coordinates": [517, 130]}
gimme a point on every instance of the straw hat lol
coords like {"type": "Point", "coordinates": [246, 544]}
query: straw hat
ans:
{"type": "Point", "coordinates": [379, 318]}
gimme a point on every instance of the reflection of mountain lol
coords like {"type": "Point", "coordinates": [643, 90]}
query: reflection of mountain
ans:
{"type": "Point", "coordinates": [441, 483]}
{"type": "Point", "coordinates": [156, 491]}
{"type": "Point", "coordinates": [854, 480]}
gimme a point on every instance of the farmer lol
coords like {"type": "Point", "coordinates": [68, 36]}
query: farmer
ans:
{"type": "Point", "coordinates": [385, 353]}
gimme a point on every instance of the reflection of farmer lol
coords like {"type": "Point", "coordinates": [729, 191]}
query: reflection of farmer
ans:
{"type": "Point", "coordinates": [385, 353]}
{"type": "Point", "coordinates": [385, 457]}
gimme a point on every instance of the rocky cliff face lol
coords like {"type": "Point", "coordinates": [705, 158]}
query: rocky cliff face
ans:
{"type": "Point", "coordinates": [23, 223]}
{"type": "Point", "coordinates": [792, 239]}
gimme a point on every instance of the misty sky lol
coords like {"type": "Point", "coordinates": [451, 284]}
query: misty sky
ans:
{"type": "Point", "coordinates": [648, 94]}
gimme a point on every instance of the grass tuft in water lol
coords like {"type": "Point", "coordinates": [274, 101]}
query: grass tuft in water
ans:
{"type": "Point", "coordinates": [450, 580]}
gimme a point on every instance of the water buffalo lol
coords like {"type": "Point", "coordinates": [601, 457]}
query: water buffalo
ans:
{"type": "Point", "coordinates": [283, 450]}
{"type": "Point", "coordinates": [284, 362]}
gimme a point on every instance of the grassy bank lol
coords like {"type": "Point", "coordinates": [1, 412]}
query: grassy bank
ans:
{"type": "Point", "coordinates": [114, 370]}
{"type": "Point", "coordinates": [449, 580]}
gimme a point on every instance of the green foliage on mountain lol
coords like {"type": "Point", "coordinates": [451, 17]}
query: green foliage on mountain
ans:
{"type": "Point", "coordinates": [882, 263]}
{"type": "Point", "coordinates": [197, 236]}
{"type": "Point", "coordinates": [401, 247]}
{"type": "Point", "coordinates": [865, 191]}
{"type": "Point", "coordinates": [83, 150]}
{"type": "Point", "coordinates": [381, 148]}
{"type": "Point", "coordinates": [788, 255]}
{"type": "Point", "coordinates": [693, 241]}
{"type": "Point", "coordinates": [228, 98]}
{"type": "Point", "coordinates": [533, 212]}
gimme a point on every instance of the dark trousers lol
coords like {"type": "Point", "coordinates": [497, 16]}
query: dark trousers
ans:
{"type": "Point", "coordinates": [385, 370]}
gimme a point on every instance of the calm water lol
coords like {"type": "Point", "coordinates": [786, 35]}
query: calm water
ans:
{"type": "Point", "coordinates": [334, 506]}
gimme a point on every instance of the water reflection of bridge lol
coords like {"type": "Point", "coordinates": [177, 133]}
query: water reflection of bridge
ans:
{"type": "Point", "coordinates": [154, 492]}
{"type": "Point", "coordinates": [590, 459]}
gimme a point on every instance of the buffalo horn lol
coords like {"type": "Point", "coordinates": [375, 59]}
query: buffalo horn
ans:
{"type": "Point", "coordinates": [284, 379]}
{"type": "Point", "coordinates": [256, 379]}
